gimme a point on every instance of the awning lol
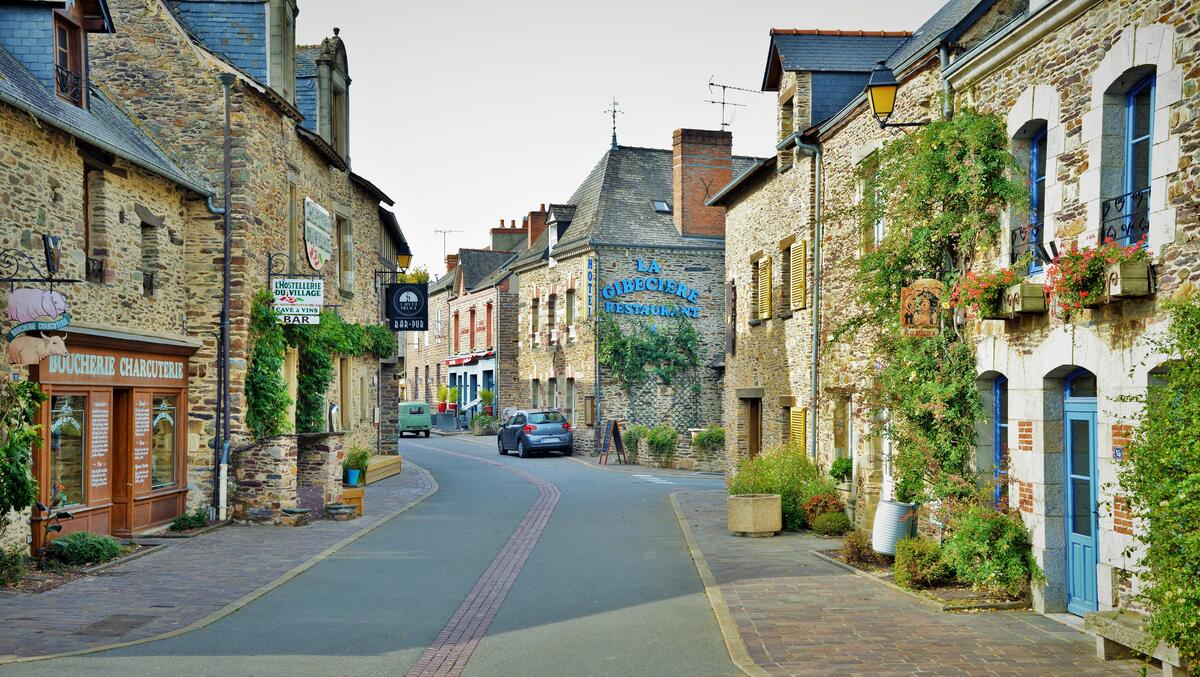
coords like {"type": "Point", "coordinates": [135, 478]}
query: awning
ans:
{"type": "Point", "coordinates": [470, 359]}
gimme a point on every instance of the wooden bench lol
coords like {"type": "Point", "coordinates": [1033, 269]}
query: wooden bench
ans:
{"type": "Point", "coordinates": [383, 467]}
{"type": "Point", "coordinates": [1119, 635]}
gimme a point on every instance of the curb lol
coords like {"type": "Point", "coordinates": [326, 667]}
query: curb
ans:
{"type": "Point", "coordinates": [729, 630]}
{"type": "Point", "coordinates": [250, 596]}
{"type": "Point", "coordinates": [646, 470]}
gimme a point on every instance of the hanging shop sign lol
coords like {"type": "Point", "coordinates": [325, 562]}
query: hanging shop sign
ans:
{"type": "Point", "coordinates": [919, 305]}
{"type": "Point", "coordinates": [650, 281]}
{"type": "Point", "coordinates": [298, 300]}
{"type": "Point", "coordinates": [407, 307]}
{"type": "Point", "coordinates": [33, 311]}
{"type": "Point", "coordinates": [318, 234]}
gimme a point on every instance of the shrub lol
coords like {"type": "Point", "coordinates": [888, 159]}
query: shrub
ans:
{"type": "Point", "coordinates": [82, 547]}
{"type": "Point", "coordinates": [831, 524]}
{"type": "Point", "coordinates": [821, 504]}
{"type": "Point", "coordinates": [785, 471]}
{"type": "Point", "coordinates": [991, 550]}
{"type": "Point", "coordinates": [12, 566]}
{"type": "Point", "coordinates": [662, 441]}
{"type": "Point", "coordinates": [841, 468]}
{"type": "Point", "coordinates": [856, 547]}
{"type": "Point", "coordinates": [711, 438]}
{"type": "Point", "coordinates": [484, 420]}
{"type": "Point", "coordinates": [442, 392]}
{"type": "Point", "coordinates": [919, 564]}
{"type": "Point", "coordinates": [195, 519]}
{"type": "Point", "coordinates": [19, 434]}
{"type": "Point", "coordinates": [633, 435]}
{"type": "Point", "coordinates": [358, 458]}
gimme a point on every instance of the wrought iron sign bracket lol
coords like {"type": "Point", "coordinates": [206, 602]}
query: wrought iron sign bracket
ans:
{"type": "Point", "coordinates": [13, 261]}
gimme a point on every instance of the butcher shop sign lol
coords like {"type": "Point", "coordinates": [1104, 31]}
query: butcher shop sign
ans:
{"type": "Point", "coordinates": [33, 311]}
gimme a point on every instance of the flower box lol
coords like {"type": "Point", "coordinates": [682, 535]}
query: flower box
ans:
{"type": "Point", "coordinates": [1022, 299]}
{"type": "Point", "coordinates": [1127, 279]}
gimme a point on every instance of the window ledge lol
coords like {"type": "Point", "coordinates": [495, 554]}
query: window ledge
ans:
{"type": "Point", "coordinates": [346, 293]}
{"type": "Point", "coordinates": [784, 315]}
{"type": "Point", "coordinates": [755, 323]}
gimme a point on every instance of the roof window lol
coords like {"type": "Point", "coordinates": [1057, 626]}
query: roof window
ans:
{"type": "Point", "coordinates": [661, 206]}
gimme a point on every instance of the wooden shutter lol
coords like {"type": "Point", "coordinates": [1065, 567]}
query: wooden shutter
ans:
{"type": "Point", "coordinates": [730, 318]}
{"type": "Point", "coordinates": [799, 274]}
{"type": "Point", "coordinates": [798, 425]}
{"type": "Point", "coordinates": [764, 288]}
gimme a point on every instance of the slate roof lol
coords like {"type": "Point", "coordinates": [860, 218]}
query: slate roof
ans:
{"type": "Point", "coordinates": [236, 30]}
{"type": "Point", "coordinates": [105, 125]}
{"type": "Point", "coordinates": [953, 16]}
{"type": "Point", "coordinates": [306, 60]}
{"type": "Point", "coordinates": [476, 264]}
{"type": "Point", "coordinates": [823, 51]}
{"type": "Point", "coordinates": [613, 203]}
{"type": "Point", "coordinates": [442, 284]}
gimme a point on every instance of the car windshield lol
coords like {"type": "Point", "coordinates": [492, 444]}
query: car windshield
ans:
{"type": "Point", "coordinates": [416, 410]}
{"type": "Point", "coordinates": [546, 417]}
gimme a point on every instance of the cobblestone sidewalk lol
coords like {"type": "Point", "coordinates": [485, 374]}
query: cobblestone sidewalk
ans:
{"type": "Point", "coordinates": [800, 615]}
{"type": "Point", "coordinates": [185, 582]}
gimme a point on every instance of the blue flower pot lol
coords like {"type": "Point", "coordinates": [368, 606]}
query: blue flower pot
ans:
{"type": "Point", "coordinates": [352, 477]}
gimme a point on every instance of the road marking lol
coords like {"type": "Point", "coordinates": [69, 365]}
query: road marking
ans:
{"type": "Point", "coordinates": [449, 653]}
{"type": "Point", "coordinates": [654, 478]}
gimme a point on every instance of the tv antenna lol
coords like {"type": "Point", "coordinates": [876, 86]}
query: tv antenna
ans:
{"type": "Point", "coordinates": [614, 111]}
{"type": "Point", "coordinates": [725, 102]}
{"type": "Point", "coordinates": [444, 233]}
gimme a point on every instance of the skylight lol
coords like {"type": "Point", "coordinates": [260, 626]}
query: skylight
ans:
{"type": "Point", "coordinates": [661, 206]}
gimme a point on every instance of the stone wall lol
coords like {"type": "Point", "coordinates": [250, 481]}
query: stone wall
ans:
{"type": "Point", "coordinates": [266, 478]}
{"type": "Point", "coordinates": [319, 470]}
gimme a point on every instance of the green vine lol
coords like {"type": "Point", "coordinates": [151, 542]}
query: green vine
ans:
{"type": "Point", "coordinates": [266, 391]}
{"type": "Point", "coordinates": [1161, 477]}
{"type": "Point", "coordinates": [948, 183]}
{"type": "Point", "coordinates": [642, 349]}
{"type": "Point", "coordinates": [267, 398]}
{"type": "Point", "coordinates": [19, 434]}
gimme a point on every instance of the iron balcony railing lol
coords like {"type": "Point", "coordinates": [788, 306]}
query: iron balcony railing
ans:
{"type": "Point", "coordinates": [69, 84]}
{"type": "Point", "coordinates": [95, 270]}
{"type": "Point", "coordinates": [1125, 218]}
{"type": "Point", "coordinates": [1025, 239]}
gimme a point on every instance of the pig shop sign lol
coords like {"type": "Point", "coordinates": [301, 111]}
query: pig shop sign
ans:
{"type": "Point", "coordinates": [651, 281]}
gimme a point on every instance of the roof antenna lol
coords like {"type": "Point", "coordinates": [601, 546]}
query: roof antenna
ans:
{"type": "Point", "coordinates": [726, 103]}
{"type": "Point", "coordinates": [614, 111]}
{"type": "Point", "coordinates": [444, 232]}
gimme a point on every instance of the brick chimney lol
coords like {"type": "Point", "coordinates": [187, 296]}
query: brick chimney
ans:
{"type": "Point", "coordinates": [451, 262]}
{"type": "Point", "coordinates": [536, 223]}
{"type": "Point", "coordinates": [702, 165]}
{"type": "Point", "coordinates": [507, 239]}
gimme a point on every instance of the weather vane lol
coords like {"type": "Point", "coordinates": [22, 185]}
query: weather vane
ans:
{"type": "Point", "coordinates": [614, 110]}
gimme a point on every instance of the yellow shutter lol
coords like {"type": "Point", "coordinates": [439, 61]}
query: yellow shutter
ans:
{"type": "Point", "coordinates": [764, 289]}
{"type": "Point", "coordinates": [798, 425]}
{"type": "Point", "coordinates": [799, 272]}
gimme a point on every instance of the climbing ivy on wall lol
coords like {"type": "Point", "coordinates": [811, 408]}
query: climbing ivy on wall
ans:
{"type": "Point", "coordinates": [637, 350]}
{"type": "Point", "coordinates": [948, 184]}
{"type": "Point", "coordinates": [316, 345]}
{"type": "Point", "coordinates": [19, 402]}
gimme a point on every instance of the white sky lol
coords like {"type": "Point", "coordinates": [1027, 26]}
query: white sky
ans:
{"type": "Point", "coordinates": [471, 111]}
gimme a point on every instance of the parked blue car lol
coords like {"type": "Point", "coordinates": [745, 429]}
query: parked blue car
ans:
{"type": "Point", "coordinates": [534, 431]}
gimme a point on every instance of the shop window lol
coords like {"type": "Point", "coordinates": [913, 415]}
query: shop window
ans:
{"type": "Point", "coordinates": [162, 457]}
{"type": "Point", "coordinates": [68, 436]}
{"type": "Point", "coordinates": [345, 400]}
{"type": "Point", "coordinates": [570, 308]}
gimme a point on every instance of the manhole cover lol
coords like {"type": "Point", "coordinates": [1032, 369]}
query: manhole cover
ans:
{"type": "Point", "coordinates": [116, 625]}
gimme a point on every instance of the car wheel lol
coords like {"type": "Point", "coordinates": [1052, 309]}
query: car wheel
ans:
{"type": "Point", "coordinates": [568, 451]}
{"type": "Point", "coordinates": [522, 451]}
{"type": "Point", "coordinates": [500, 447]}
{"type": "Point", "coordinates": [426, 433]}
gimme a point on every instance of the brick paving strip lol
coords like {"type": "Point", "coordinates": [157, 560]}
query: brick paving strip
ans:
{"type": "Point", "coordinates": [796, 614]}
{"type": "Point", "coordinates": [189, 584]}
{"type": "Point", "coordinates": [449, 653]}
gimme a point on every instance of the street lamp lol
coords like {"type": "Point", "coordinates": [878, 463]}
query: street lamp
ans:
{"type": "Point", "coordinates": [881, 94]}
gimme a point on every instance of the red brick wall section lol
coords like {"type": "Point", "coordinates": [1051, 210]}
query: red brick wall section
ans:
{"type": "Point", "coordinates": [1025, 496]}
{"type": "Point", "coordinates": [1122, 435]}
{"type": "Point", "coordinates": [535, 222]}
{"type": "Point", "coordinates": [1024, 435]}
{"type": "Point", "coordinates": [703, 165]}
{"type": "Point", "coordinates": [1122, 517]}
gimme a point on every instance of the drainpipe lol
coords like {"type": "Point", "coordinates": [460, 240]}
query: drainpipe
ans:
{"type": "Point", "coordinates": [596, 352]}
{"type": "Point", "coordinates": [227, 80]}
{"type": "Point", "coordinates": [815, 152]}
{"type": "Point", "coordinates": [947, 89]}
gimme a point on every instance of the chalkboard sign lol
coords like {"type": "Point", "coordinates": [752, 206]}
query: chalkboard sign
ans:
{"type": "Point", "coordinates": [612, 431]}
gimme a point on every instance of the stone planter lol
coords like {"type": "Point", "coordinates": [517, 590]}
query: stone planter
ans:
{"type": "Point", "coordinates": [893, 521]}
{"type": "Point", "coordinates": [755, 515]}
{"type": "Point", "coordinates": [693, 432]}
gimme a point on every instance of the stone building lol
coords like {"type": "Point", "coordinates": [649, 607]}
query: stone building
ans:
{"type": "Point", "coordinates": [427, 351]}
{"type": "Point", "coordinates": [636, 242]}
{"type": "Point", "coordinates": [75, 166]}
{"type": "Point", "coordinates": [1098, 101]}
{"type": "Point", "coordinates": [293, 195]}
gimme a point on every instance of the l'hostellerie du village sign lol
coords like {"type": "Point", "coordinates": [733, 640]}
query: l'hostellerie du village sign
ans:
{"type": "Point", "coordinates": [651, 282]}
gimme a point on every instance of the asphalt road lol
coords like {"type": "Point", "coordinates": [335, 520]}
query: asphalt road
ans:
{"type": "Point", "coordinates": [608, 588]}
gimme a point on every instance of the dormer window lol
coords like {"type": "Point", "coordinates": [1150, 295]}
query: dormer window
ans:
{"type": "Point", "coordinates": [282, 73]}
{"type": "Point", "coordinates": [68, 60]}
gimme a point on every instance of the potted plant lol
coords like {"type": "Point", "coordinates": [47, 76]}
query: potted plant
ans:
{"type": "Point", "coordinates": [452, 398]}
{"type": "Point", "coordinates": [1079, 278]}
{"type": "Point", "coordinates": [355, 465]}
{"type": "Point", "coordinates": [487, 396]}
{"type": "Point", "coordinates": [442, 391]}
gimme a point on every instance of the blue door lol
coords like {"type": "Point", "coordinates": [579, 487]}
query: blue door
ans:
{"type": "Point", "coordinates": [1079, 428]}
